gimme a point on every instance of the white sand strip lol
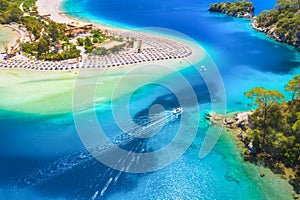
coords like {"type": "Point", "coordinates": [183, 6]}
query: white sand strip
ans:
{"type": "Point", "coordinates": [53, 8]}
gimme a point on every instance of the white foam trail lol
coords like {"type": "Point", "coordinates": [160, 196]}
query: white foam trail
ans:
{"type": "Point", "coordinates": [95, 195]}
{"type": "Point", "coordinates": [122, 161]}
{"type": "Point", "coordinates": [106, 186]}
{"type": "Point", "coordinates": [117, 177]}
{"type": "Point", "coordinates": [71, 161]}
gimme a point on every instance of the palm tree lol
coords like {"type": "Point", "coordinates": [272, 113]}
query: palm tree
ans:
{"type": "Point", "coordinates": [106, 33]}
{"type": "Point", "coordinates": [140, 46]}
{"type": "Point", "coordinates": [30, 35]}
{"type": "Point", "coordinates": [18, 42]}
{"type": "Point", "coordinates": [5, 45]}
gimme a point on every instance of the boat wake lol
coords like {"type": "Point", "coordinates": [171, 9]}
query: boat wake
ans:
{"type": "Point", "coordinates": [138, 129]}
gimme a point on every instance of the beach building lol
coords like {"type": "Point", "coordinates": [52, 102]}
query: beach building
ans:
{"type": "Point", "coordinates": [44, 16]}
{"type": "Point", "coordinates": [78, 27]}
{"type": "Point", "coordinates": [33, 13]}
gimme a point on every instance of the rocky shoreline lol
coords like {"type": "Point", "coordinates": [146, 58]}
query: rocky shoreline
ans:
{"type": "Point", "coordinates": [271, 32]}
{"type": "Point", "coordinates": [271, 28]}
{"type": "Point", "coordinates": [234, 121]}
{"type": "Point", "coordinates": [237, 124]}
{"type": "Point", "coordinates": [246, 9]}
{"type": "Point", "coordinates": [233, 14]}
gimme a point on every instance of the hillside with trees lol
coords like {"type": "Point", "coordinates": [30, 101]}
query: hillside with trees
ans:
{"type": "Point", "coordinates": [282, 23]}
{"type": "Point", "coordinates": [236, 9]}
{"type": "Point", "coordinates": [273, 134]}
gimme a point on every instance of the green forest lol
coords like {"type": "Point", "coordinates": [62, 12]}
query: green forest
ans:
{"type": "Point", "coordinates": [284, 19]}
{"type": "Point", "coordinates": [10, 11]}
{"type": "Point", "coordinates": [48, 39]}
{"type": "Point", "coordinates": [274, 127]}
{"type": "Point", "coordinates": [237, 8]}
{"type": "Point", "coordinates": [44, 34]}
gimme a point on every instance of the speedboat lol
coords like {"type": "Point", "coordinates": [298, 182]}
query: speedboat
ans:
{"type": "Point", "coordinates": [177, 111]}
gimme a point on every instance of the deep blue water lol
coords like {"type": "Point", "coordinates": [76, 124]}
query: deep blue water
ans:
{"type": "Point", "coordinates": [31, 147]}
{"type": "Point", "coordinates": [237, 50]}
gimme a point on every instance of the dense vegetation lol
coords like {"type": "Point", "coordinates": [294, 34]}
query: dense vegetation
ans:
{"type": "Point", "coordinates": [238, 8]}
{"type": "Point", "coordinates": [29, 5]}
{"type": "Point", "coordinates": [89, 42]}
{"type": "Point", "coordinates": [275, 127]}
{"type": "Point", "coordinates": [9, 11]}
{"type": "Point", "coordinates": [46, 38]}
{"type": "Point", "coordinates": [282, 22]}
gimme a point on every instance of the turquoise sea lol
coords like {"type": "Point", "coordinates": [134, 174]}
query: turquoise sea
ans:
{"type": "Point", "coordinates": [42, 157]}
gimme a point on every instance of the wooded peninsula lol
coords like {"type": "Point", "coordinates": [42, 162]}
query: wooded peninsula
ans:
{"type": "Point", "coordinates": [281, 23]}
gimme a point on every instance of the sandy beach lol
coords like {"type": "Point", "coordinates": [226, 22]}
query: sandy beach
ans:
{"type": "Point", "coordinates": [45, 93]}
{"type": "Point", "coordinates": [53, 8]}
{"type": "Point", "coordinates": [9, 35]}
{"type": "Point", "coordinates": [51, 92]}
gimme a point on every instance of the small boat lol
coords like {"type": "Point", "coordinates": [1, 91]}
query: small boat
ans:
{"type": "Point", "coordinates": [202, 68]}
{"type": "Point", "coordinates": [177, 111]}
